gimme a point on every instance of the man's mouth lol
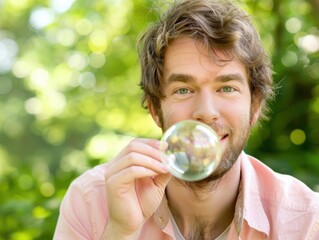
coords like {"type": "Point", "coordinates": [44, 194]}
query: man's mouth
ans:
{"type": "Point", "coordinates": [222, 137]}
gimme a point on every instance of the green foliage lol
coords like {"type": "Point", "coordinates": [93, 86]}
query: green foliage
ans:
{"type": "Point", "coordinates": [69, 97]}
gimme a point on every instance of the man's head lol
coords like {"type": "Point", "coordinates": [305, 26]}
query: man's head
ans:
{"type": "Point", "coordinates": [216, 25]}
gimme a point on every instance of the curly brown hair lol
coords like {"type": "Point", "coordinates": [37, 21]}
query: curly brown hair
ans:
{"type": "Point", "coordinates": [216, 24]}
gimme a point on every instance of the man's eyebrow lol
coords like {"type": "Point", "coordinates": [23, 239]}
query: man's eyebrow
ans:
{"type": "Point", "coordinates": [231, 77]}
{"type": "Point", "coordinates": [179, 77]}
{"type": "Point", "coordinates": [185, 78]}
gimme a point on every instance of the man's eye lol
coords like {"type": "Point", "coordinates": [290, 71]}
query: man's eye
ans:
{"type": "Point", "coordinates": [228, 89]}
{"type": "Point", "coordinates": [182, 91]}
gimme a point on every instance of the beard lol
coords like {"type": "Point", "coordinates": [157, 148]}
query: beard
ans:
{"type": "Point", "coordinates": [229, 157]}
{"type": "Point", "coordinates": [236, 143]}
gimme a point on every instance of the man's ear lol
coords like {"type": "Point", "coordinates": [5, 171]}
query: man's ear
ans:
{"type": "Point", "coordinates": [154, 113]}
{"type": "Point", "coordinates": [256, 113]}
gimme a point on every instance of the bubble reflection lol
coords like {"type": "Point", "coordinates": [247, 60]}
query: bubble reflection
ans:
{"type": "Point", "coordinates": [191, 150]}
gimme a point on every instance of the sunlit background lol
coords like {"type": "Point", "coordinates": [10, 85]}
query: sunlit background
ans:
{"type": "Point", "coordinates": [69, 97]}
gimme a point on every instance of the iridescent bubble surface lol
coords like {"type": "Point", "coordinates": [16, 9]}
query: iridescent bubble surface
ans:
{"type": "Point", "coordinates": [191, 150]}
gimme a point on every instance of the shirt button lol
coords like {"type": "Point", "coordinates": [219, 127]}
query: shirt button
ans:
{"type": "Point", "coordinates": [161, 219]}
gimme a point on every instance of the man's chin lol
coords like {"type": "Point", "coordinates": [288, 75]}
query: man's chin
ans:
{"type": "Point", "coordinates": [207, 183]}
{"type": "Point", "coordinates": [214, 178]}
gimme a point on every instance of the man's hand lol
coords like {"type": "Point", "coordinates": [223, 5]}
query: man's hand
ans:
{"type": "Point", "coordinates": [135, 184]}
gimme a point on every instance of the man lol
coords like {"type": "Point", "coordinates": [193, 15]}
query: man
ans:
{"type": "Point", "coordinates": [203, 61]}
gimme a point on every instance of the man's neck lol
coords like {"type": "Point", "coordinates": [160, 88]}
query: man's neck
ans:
{"type": "Point", "coordinates": [211, 209]}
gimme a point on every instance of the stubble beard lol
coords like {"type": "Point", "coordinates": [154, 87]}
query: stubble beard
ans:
{"type": "Point", "coordinates": [230, 155]}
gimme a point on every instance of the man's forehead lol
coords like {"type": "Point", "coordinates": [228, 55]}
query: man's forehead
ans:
{"type": "Point", "coordinates": [186, 57]}
{"type": "Point", "coordinates": [184, 46]}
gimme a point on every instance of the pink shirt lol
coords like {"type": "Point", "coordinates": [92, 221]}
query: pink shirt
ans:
{"type": "Point", "coordinates": [269, 206]}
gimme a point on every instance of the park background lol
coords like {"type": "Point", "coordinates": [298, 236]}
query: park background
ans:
{"type": "Point", "coordinates": [69, 97]}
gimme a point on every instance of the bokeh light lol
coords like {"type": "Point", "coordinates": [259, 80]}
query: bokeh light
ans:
{"type": "Point", "coordinates": [293, 25]}
{"type": "Point", "coordinates": [61, 6]}
{"type": "Point", "coordinates": [289, 59]}
{"type": "Point", "coordinates": [66, 37]}
{"type": "Point", "coordinates": [77, 61]}
{"type": "Point", "coordinates": [8, 52]}
{"type": "Point", "coordinates": [83, 26]}
{"type": "Point", "coordinates": [41, 17]}
{"type": "Point", "coordinates": [47, 189]}
{"type": "Point", "coordinates": [98, 41]}
{"type": "Point", "coordinates": [297, 136]}
{"type": "Point", "coordinates": [309, 43]}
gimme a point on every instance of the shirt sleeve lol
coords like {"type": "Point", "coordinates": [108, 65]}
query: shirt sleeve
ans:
{"type": "Point", "coordinates": [314, 233]}
{"type": "Point", "coordinates": [83, 213]}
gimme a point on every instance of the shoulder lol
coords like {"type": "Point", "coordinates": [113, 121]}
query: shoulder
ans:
{"type": "Point", "coordinates": [91, 179]}
{"type": "Point", "coordinates": [83, 210]}
{"type": "Point", "coordinates": [89, 187]}
{"type": "Point", "coordinates": [284, 200]}
{"type": "Point", "coordinates": [283, 188]}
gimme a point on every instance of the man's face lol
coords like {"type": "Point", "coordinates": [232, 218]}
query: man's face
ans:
{"type": "Point", "coordinates": [200, 87]}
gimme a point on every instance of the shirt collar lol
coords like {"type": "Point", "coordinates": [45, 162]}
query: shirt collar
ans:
{"type": "Point", "coordinates": [249, 205]}
{"type": "Point", "coordinates": [162, 217]}
{"type": "Point", "coordinates": [252, 205]}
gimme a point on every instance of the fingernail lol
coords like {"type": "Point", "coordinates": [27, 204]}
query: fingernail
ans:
{"type": "Point", "coordinates": [164, 144]}
{"type": "Point", "coordinates": [164, 167]}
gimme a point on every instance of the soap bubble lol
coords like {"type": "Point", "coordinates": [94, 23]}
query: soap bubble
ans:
{"type": "Point", "coordinates": [191, 150]}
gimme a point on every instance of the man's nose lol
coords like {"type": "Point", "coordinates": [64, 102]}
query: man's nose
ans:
{"type": "Point", "coordinates": [206, 107]}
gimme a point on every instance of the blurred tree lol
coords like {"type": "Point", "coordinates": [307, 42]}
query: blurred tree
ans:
{"type": "Point", "coordinates": [69, 97]}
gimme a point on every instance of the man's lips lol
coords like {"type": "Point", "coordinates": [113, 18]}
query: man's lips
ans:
{"type": "Point", "coordinates": [222, 137]}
